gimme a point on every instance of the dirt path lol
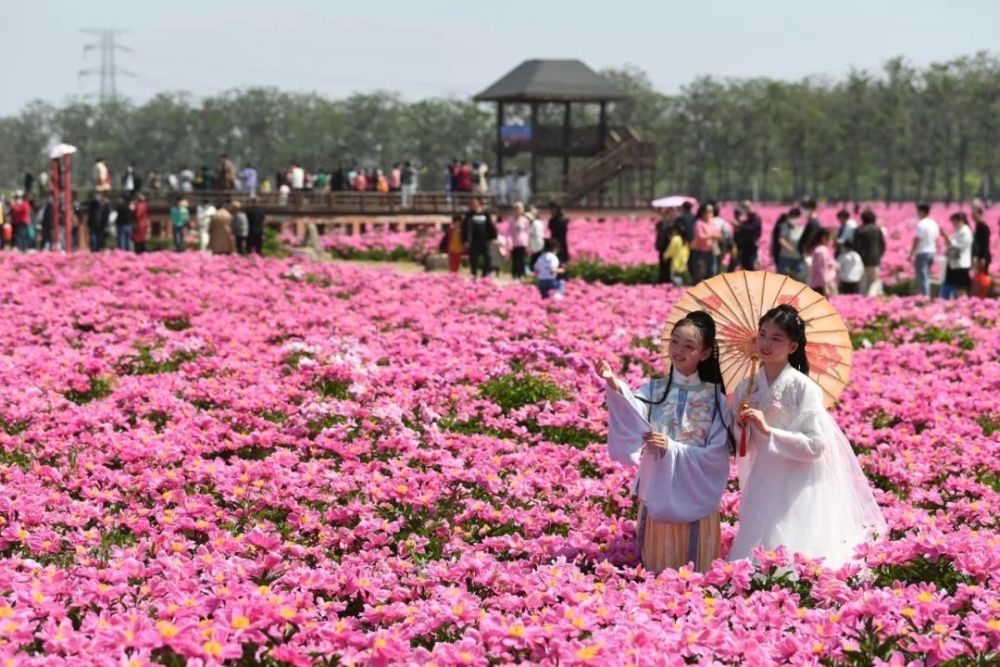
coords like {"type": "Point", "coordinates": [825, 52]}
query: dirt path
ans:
{"type": "Point", "coordinates": [409, 268]}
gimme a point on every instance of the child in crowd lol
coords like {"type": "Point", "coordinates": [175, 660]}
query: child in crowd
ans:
{"type": "Point", "coordinates": [823, 267]}
{"type": "Point", "coordinates": [677, 253]}
{"type": "Point", "coordinates": [852, 269]}
{"type": "Point", "coordinates": [547, 270]}
{"type": "Point", "coordinates": [452, 245]}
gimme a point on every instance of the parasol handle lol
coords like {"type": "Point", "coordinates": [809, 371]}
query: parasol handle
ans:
{"type": "Point", "coordinates": [746, 403]}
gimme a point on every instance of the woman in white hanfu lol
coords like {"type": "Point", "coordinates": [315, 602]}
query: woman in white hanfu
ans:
{"type": "Point", "coordinates": [675, 430]}
{"type": "Point", "coordinates": [802, 485]}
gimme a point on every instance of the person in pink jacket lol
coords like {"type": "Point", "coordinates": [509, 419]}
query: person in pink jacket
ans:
{"type": "Point", "coordinates": [706, 238]}
{"type": "Point", "coordinates": [517, 237]}
{"type": "Point", "coordinates": [823, 272]}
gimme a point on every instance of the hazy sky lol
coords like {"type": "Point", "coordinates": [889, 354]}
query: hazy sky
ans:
{"type": "Point", "coordinates": [455, 48]}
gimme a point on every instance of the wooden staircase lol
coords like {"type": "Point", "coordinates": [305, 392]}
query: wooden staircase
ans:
{"type": "Point", "coordinates": [624, 152]}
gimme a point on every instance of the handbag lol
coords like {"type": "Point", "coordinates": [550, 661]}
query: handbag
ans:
{"type": "Point", "coordinates": [981, 283]}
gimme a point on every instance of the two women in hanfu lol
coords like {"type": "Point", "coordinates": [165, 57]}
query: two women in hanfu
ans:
{"type": "Point", "coordinates": [802, 485]}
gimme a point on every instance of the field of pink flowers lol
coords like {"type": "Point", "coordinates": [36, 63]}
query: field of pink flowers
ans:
{"type": "Point", "coordinates": [222, 460]}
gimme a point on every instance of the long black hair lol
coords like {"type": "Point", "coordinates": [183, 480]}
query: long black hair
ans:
{"type": "Point", "coordinates": [709, 369]}
{"type": "Point", "coordinates": [787, 318]}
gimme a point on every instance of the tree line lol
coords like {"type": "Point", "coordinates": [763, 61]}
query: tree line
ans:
{"type": "Point", "coordinates": [899, 133]}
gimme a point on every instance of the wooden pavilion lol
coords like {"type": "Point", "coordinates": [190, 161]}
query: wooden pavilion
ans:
{"type": "Point", "coordinates": [602, 156]}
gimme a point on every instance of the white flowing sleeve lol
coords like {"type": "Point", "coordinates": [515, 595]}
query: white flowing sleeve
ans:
{"type": "Point", "coordinates": [685, 482]}
{"type": "Point", "coordinates": [805, 439]}
{"type": "Point", "coordinates": [626, 424]}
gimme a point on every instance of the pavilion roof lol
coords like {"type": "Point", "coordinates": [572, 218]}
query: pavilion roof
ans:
{"type": "Point", "coordinates": [552, 81]}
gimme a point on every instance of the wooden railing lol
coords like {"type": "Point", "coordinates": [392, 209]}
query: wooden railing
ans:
{"type": "Point", "coordinates": [311, 204]}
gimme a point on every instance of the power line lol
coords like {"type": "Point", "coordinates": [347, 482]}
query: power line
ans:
{"type": "Point", "coordinates": [108, 70]}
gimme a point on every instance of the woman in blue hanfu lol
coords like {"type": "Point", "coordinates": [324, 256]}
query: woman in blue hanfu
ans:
{"type": "Point", "coordinates": [675, 429]}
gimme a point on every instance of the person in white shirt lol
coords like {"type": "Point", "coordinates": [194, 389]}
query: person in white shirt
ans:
{"type": "Point", "coordinates": [536, 236]}
{"type": "Point", "coordinates": [957, 281]}
{"type": "Point", "coordinates": [204, 214]}
{"type": "Point", "coordinates": [296, 177]}
{"type": "Point", "coordinates": [923, 249]}
{"type": "Point", "coordinates": [846, 230]}
{"type": "Point", "coordinates": [852, 269]}
{"type": "Point", "coordinates": [547, 269]}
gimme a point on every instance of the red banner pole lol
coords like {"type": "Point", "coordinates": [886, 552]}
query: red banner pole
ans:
{"type": "Point", "coordinates": [54, 186]}
{"type": "Point", "coordinates": [68, 191]}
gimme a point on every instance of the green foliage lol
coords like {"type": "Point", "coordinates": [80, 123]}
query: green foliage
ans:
{"type": "Point", "coordinates": [272, 247]}
{"type": "Point", "coordinates": [333, 388]}
{"type": "Point", "coordinates": [919, 570]}
{"type": "Point", "coordinates": [15, 457]}
{"type": "Point", "coordinates": [14, 427]}
{"type": "Point", "coordinates": [990, 423]}
{"type": "Point", "coordinates": [397, 254]}
{"type": "Point", "coordinates": [514, 391]}
{"type": "Point", "coordinates": [178, 323]}
{"type": "Point", "coordinates": [99, 387]}
{"type": "Point", "coordinates": [143, 363]}
{"type": "Point", "coordinates": [612, 274]}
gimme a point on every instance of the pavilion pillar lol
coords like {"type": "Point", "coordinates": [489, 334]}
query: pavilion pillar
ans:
{"type": "Point", "coordinates": [500, 121]}
{"type": "Point", "coordinates": [566, 143]}
{"type": "Point", "coordinates": [602, 127]}
{"type": "Point", "coordinates": [535, 135]}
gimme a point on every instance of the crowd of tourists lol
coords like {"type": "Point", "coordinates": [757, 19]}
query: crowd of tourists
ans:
{"type": "Point", "coordinates": [693, 245]}
{"type": "Point", "coordinates": [125, 224]}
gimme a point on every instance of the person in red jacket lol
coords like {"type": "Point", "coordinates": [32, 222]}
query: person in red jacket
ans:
{"type": "Point", "coordinates": [141, 232]}
{"type": "Point", "coordinates": [20, 215]}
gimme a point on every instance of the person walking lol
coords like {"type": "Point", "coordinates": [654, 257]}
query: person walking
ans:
{"type": "Point", "coordinates": [241, 228]}
{"type": "Point", "coordinates": [518, 228]}
{"type": "Point", "coordinates": [845, 233]}
{"type": "Point", "coordinates": [48, 219]}
{"type": "Point", "coordinates": [227, 172]}
{"type": "Point", "coordinates": [706, 238]}
{"type": "Point", "coordinates": [957, 281]}
{"type": "Point", "coordinates": [869, 242]}
{"type": "Point", "coordinates": [220, 232]}
{"type": "Point", "coordinates": [98, 218]}
{"type": "Point", "coordinates": [140, 235]}
{"type": "Point", "coordinates": [408, 183]}
{"type": "Point", "coordinates": [536, 237]}
{"type": "Point", "coordinates": [452, 244]}
{"type": "Point", "coordinates": [981, 256]}
{"type": "Point", "coordinates": [255, 227]}
{"type": "Point", "coordinates": [204, 214]}
{"type": "Point", "coordinates": [478, 230]}
{"type": "Point", "coordinates": [249, 178]}
{"type": "Point", "coordinates": [559, 230]}
{"type": "Point", "coordinates": [124, 223]}
{"type": "Point", "coordinates": [180, 216]}
{"type": "Point", "coordinates": [746, 236]}
{"type": "Point", "coordinates": [790, 261]}
{"type": "Point", "coordinates": [20, 214]}
{"type": "Point", "coordinates": [923, 249]}
{"type": "Point", "coordinates": [664, 230]}
{"type": "Point", "coordinates": [806, 240]}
